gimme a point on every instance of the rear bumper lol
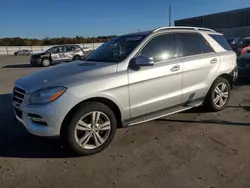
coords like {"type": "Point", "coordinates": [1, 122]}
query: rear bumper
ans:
{"type": "Point", "coordinates": [234, 74]}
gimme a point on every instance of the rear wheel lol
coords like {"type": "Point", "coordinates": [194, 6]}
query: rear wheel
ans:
{"type": "Point", "coordinates": [91, 129]}
{"type": "Point", "coordinates": [45, 62]}
{"type": "Point", "coordinates": [218, 95]}
{"type": "Point", "coordinates": [77, 57]}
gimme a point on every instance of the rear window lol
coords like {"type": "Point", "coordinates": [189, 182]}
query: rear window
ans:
{"type": "Point", "coordinates": [220, 39]}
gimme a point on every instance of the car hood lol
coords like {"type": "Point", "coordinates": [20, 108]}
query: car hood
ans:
{"type": "Point", "coordinates": [65, 74]}
{"type": "Point", "coordinates": [38, 54]}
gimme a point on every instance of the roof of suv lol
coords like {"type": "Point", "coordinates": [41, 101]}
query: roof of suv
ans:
{"type": "Point", "coordinates": [160, 29]}
{"type": "Point", "coordinates": [183, 28]}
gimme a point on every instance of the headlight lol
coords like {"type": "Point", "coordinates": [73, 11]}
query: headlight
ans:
{"type": "Point", "coordinates": [46, 95]}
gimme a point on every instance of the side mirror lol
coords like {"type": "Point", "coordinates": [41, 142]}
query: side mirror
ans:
{"type": "Point", "coordinates": [144, 61]}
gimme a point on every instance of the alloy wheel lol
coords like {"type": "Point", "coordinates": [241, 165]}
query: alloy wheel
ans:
{"type": "Point", "coordinates": [221, 94]}
{"type": "Point", "coordinates": [92, 130]}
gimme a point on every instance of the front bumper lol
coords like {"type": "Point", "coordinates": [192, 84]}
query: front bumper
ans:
{"type": "Point", "coordinates": [36, 61]}
{"type": "Point", "coordinates": [52, 114]}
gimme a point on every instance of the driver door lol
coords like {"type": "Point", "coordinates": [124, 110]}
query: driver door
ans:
{"type": "Point", "coordinates": [159, 87]}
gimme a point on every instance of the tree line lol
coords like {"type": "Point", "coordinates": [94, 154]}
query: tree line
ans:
{"type": "Point", "coordinates": [17, 41]}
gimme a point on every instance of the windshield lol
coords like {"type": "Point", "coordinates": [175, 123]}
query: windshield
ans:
{"type": "Point", "coordinates": [50, 50]}
{"type": "Point", "coordinates": [117, 49]}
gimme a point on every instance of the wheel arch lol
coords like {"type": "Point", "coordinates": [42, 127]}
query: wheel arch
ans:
{"type": "Point", "coordinates": [109, 103]}
{"type": "Point", "coordinates": [228, 77]}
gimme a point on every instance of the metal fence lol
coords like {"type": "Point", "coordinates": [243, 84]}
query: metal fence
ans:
{"type": "Point", "coordinates": [9, 50]}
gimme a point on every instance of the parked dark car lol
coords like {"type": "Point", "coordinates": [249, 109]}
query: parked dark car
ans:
{"type": "Point", "coordinates": [236, 44]}
{"type": "Point", "coordinates": [57, 54]}
{"type": "Point", "coordinates": [23, 52]}
{"type": "Point", "coordinates": [245, 47]}
{"type": "Point", "coordinates": [243, 63]}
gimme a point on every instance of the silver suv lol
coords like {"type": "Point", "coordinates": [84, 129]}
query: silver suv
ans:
{"type": "Point", "coordinates": [129, 80]}
{"type": "Point", "coordinates": [57, 54]}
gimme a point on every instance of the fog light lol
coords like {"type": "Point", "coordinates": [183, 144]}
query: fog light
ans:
{"type": "Point", "coordinates": [36, 119]}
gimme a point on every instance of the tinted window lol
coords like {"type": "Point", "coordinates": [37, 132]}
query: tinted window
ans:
{"type": "Point", "coordinates": [221, 41]}
{"type": "Point", "coordinates": [60, 49]}
{"type": "Point", "coordinates": [188, 44]}
{"type": "Point", "coordinates": [206, 48]}
{"type": "Point", "coordinates": [69, 48]}
{"type": "Point", "coordinates": [246, 42]}
{"type": "Point", "coordinates": [160, 48]}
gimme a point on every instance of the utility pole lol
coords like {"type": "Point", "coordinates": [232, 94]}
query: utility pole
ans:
{"type": "Point", "coordinates": [170, 15]}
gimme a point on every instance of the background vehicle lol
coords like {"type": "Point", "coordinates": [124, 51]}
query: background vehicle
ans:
{"type": "Point", "coordinates": [245, 47]}
{"type": "Point", "coordinates": [128, 80]}
{"type": "Point", "coordinates": [23, 52]}
{"type": "Point", "coordinates": [243, 63]}
{"type": "Point", "coordinates": [236, 44]}
{"type": "Point", "coordinates": [57, 54]}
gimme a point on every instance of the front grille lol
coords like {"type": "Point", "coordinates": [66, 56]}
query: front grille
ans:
{"type": "Point", "coordinates": [18, 96]}
{"type": "Point", "coordinates": [18, 113]}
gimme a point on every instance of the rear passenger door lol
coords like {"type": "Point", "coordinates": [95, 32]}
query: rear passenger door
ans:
{"type": "Point", "coordinates": [200, 64]}
{"type": "Point", "coordinates": [58, 55]}
{"type": "Point", "coordinates": [69, 53]}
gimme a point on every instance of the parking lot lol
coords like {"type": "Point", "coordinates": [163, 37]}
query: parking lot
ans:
{"type": "Point", "coordinates": [191, 149]}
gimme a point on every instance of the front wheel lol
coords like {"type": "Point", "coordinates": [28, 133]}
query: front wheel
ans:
{"type": "Point", "coordinates": [91, 129]}
{"type": "Point", "coordinates": [45, 62]}
{"type": "Point", "coordinates": [218, 95]}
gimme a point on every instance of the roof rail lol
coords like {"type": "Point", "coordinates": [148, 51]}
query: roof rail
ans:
{"type": "Point", "coordinates": [181, 27]}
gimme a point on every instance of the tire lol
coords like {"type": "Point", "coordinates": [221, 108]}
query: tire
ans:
{"type": "Point", "coordinates": [74, 138]}
{"type": "Point", "coordinates": [213, 100]}
{"type": "Point", "coordinates": [77, 57]}
{"type": "Point", "coordinates": [45, 62]}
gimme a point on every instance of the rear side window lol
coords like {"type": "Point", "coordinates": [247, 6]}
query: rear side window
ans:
{"type": "Point", "coordinates": [188, 44]}
{"type": "Point", "coordinates": [220, 39]}
{"type": "Point", "coordinates": [206, 48]}
{"type": "Point", "coordinates": [160, 48]}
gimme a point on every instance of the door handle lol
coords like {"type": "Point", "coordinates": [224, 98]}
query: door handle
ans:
{"type": "Point", "coordinates": [213, 61]}
{"type": "Point", "coordinates": [175, 68]}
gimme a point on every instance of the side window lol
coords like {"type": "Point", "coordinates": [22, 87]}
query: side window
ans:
{"type": "Point", "coordinates": [246, 42]}
{"type": "Point", "coordinates": [206, 48]}
{"type": "Point", "coordinates": [69, 48]}
{"type": "Point", "coordinates": [188, 44]}
{"type": "Point", "coordinates": [160, 48]}
{"type": "Point", "coordinates": [220, 39]}
{"type": "Point", "coordinates": [61, 49]}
